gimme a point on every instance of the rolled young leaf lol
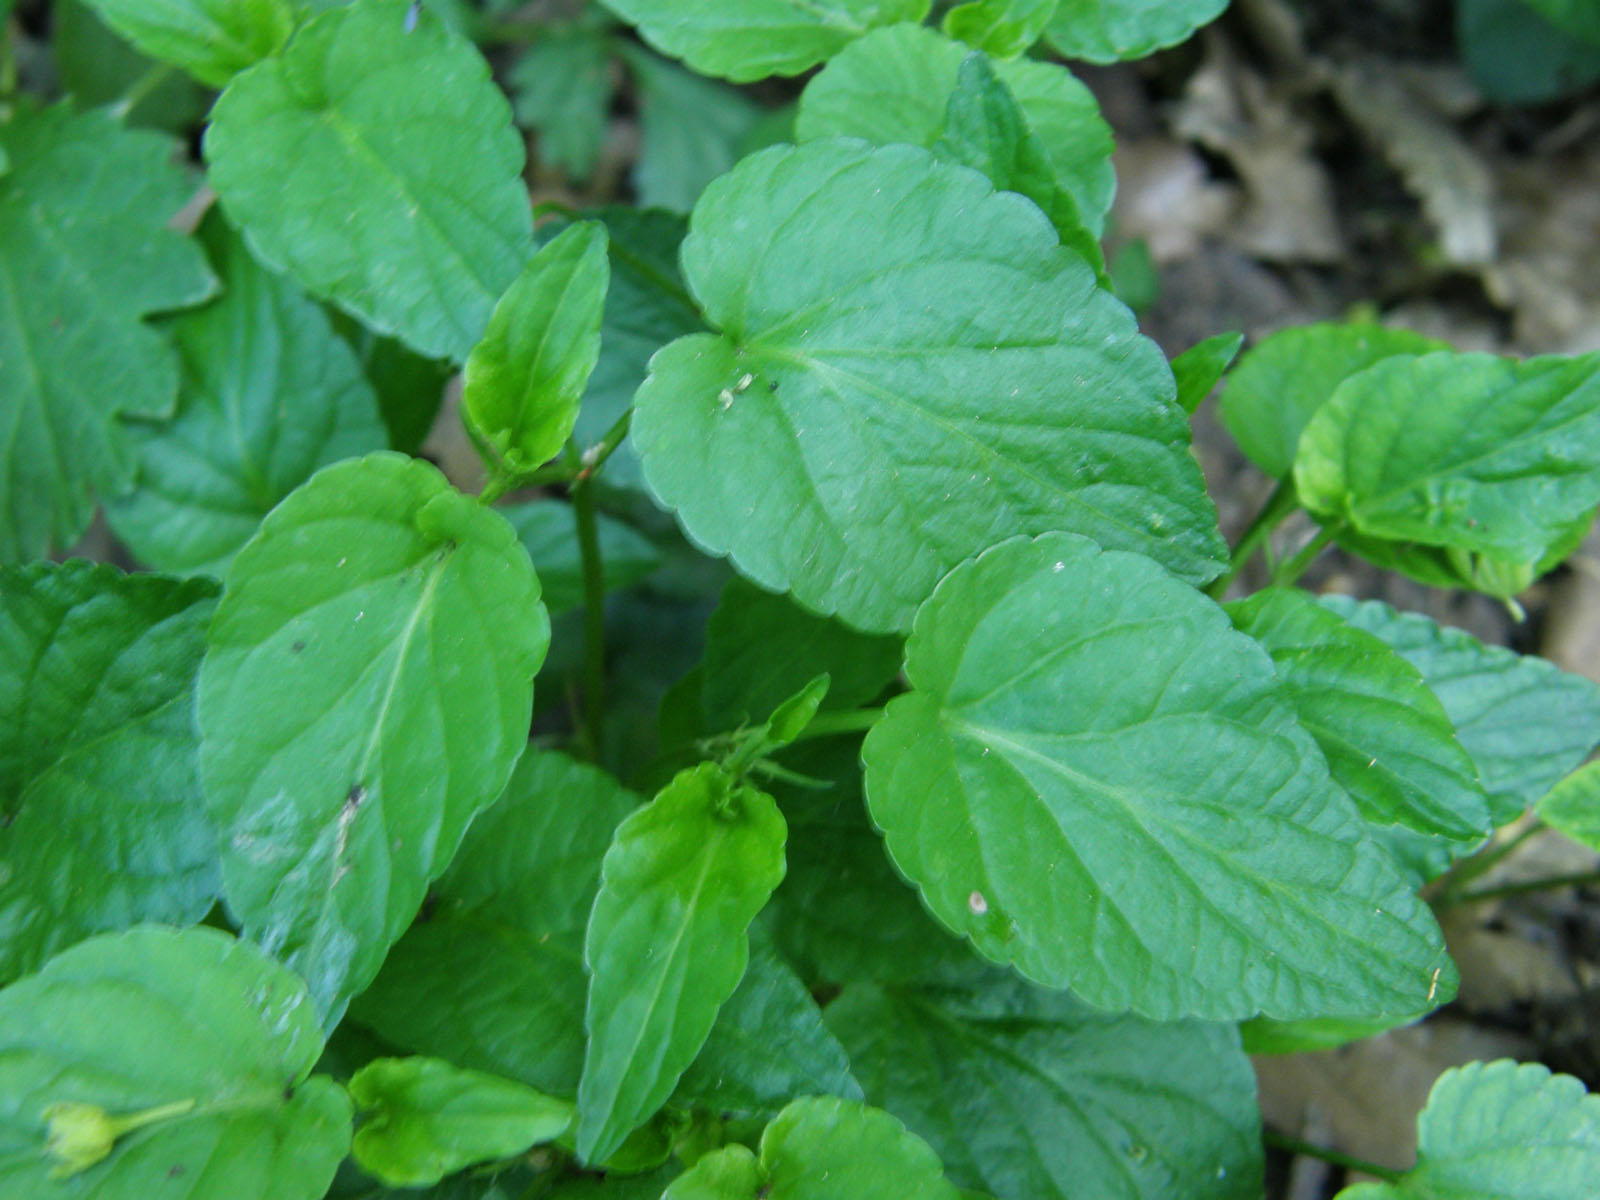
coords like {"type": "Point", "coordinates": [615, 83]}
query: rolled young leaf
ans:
{"type": "Point", "coordinates": [1099, 782]}
{"type": "Point", "coordinates": [522, 383]}
{"type": "Point", "coordinates": [168, 1063]}
{"type": "Point", "coordinates": [667, 945]}
{"type": "Point", "coordinates": [366, 692]}
{"type": "Point", "coordinates": [102, 819]}
{"type": "Point", "coordinates": [1202, 366]}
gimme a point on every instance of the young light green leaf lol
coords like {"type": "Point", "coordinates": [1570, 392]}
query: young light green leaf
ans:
{"type": "Point", "coordinates": [1000, 28]}
{"type": "Point", "coordinates": [561, 89]}
{"type": "Point", "coordinates": [985, 129]}
{"type": "Point", "coordinates": [1061, 1103]}
{"type": "Point", "coordinates": [523, 382]}
{"type": "Point", "coordinates": [1388, 740]}
{"type": "Point", "coordinates": [192, 1046]}
{"type": "Point", "coordinates": [1468, 451]}
{"type": "Point", "coordinates": [756, 38]}
{"type": "Point", "coordinates": [1103, 31]}
{"type": "Point", "coordinates": [82, 216]}
{"type": "Point", "coordinates": [494, 977]}
{"type": "Point", "coordinates": [545, 529]}
{"type": "Point", "coordinates": [1525, 722]}
{"type": "Point", "coordinates": [1455, 567]}
{"type": "Point", "coordinates": [366, 692]}
{"type": "Point", "coordinates": [1201, 367]}
{"type": "Point", "coordinates": [1573, 806]}
{"type": "Point", "coordinates": [1099, 782]}
{"type": "Point", "coordinates": [822, 1149]}
{"type": "Point", "coordinates": [895, 85]}
{"type": "Point", "coordinates": [102, 820]}
{"type": "Point", "coordinates": [666, 943]}
{"type": "Point", "coordinates": [768, 1045]}
{"type": "Point", "coordinates": [212, 40]}
{"type": "Point", "coordinates": [761, 649]}
{"type": "Point", "coordinates": [1497, 1130]}
{"type": "Point", "coordinates": [692, 128]}
{"type": "Point", "coordinates": [343, 172]}
{"type": "Point", "coordinates": [1280, 384]}
{"type": "Point", "coordinates": [422, 1119]}
{"type": "Point", "coordinates": [935, 312]}
{"type": "Point", "coordinates": [269, 394]}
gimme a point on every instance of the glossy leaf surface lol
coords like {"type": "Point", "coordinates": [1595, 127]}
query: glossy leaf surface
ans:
{"type": "Point", "coordinates": [212, 40]}
{"type": "Point", "coordinates": [268, 394]}
{"type": "Point", "coordinates": [756, 38]}
{"type": "Point", "coordinates": [1097, 781]}
{"type": "Point", "coordinates": [423, 1119]}
{"type": "Point", "coordinates": [1388, 740]}
{"type": "Point", "coordinates": [345, 172]}
{"type": "Point", "coordinates": [1498, 1130]}
{"type": "Point", "coordinates": [102, 820]}
{"type": "Point", "coordinates": [1524, 721]}
{"type": "Point", "coordinates": [523, 382]}
{"type": "Point", "coordinates": [1103, 31]}
{"type": "Point", "coordinates": [1061, 1102]}
{"type": "Point", "coordinates": [666, 942]}
{"type": "Point", "coordinates": [366, 691]}
{"type": "Point", "coordinates": [200, 1036]}
{"type": "Point", "coordinates": [82, 213]}
{"type": "Point", "coordinates": [801, 440]}
{"type": "Point", "coordinates": [896, 86]}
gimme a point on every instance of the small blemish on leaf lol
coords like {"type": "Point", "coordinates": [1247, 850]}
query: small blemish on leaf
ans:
{"type": "Point", "coordinates": [977, 904]}
{"type": "Point", "coordinates": [297, 647]}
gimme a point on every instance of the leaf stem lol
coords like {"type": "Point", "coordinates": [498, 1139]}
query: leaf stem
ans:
{"type": "Point", "coordinates": [595, 456]}
{"type": "Point", "coordinates": [832, 724]}
{"type": "Point", "coordinates": [1283, 501]}
{"type": "Point", "coordinates": [1338, 1158]}
{"type": "Point", "coordinates": [1453, 882]}
{"type": "Point", "coordinates": [1292, 568]}
{"type": "Point", "coordinates": [594, 614]}
{"type": "Point", "coordinates": [140, 90]}
{"type": "Point", "coordinates": [1500, 892]}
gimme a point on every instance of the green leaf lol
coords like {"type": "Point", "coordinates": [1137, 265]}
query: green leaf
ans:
{"type": "Point", "coordinates": [1098, 781]}
{"type": "Point", "coordinates": [613, 1186]}
{"type": "Point", "coordinates": [197, 1046]}
{"type": "Point", "coordinates": [212, 40]}
{"type": "Point", "coordinates": [821, 1149]}
{"type": "Point", "coordinates": [1000, 28]}
{"type": "Point", "coordinates": [423, 1118]}
{"type": "Point", "coordinates": [896, 86]}
{"type": "Point", "coordinates": [494, 977]}
{"type": "Point", "coordinates": [1062, 1103]}
{"type": "Point", "coordinates": [1514, 55]}
{"type": "Point", "coordinates": [1453, 567]}
{"type": "Point", "coordinates": [986, 130]}
{"type": "Point", "coordinates": [666, 944]}
{"type": "Point", "coordinates": [1500, 1131]}
{"type": "Point", "coordinates": [761, 649]}
{"type": "Point", "coordinates": [1469, 451]}
{"type": "Point", "coordinates": [561, 89]}
{"type": "Point", "coordinates": [102, 820]}
{"type": "Point", "coordinates": [1573, 806]}
{"type": "Point", "coordinates": [268, 395]}
{"type": "Point", "coordinates": [523, 382]}
{"type": "Point", "coordinates": [933, 313]}
{"type": "Point", "coordinates": [693, 130]}
{"type": "Point", "coordinates": [1388, 740]}
{"type": "Point", "coordinates": [366, 691]}
{"type": "Point", "coordinates": [646, 308]}
{"type": "Point", "coordinates": [546, 530]}
{"type": "Point", "coordinates": [1525, 722]}
{"type": "Point", "coordinates": [350, 177]}
{"type": "Point", "coordinates": [1201, 367]}
{"type": "Point", "coordinates": [756, 38]}
{"type": "Point", "coordinates": [1103, 31]}
{"type": "Point", "coordinates": [82, 216]}
{"type": "Point", "coordinates": [1576, 16]}
{"type": "Point", "coordinates": [768, 1045]}
{"type": "Point", "coordinates": [1280, 384]}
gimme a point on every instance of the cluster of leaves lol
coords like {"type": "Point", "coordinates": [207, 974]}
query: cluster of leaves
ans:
{"type": "Point", "coordinates": [981, 841]}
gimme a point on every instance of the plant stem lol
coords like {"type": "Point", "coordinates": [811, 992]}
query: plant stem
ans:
{"type": "Point", "coordinates": [140, 90]}
{"type": "Point", "coordinates": [1453, 882]}
{"type": "Point", "coordinates": [1339, 1159]}
{"type": "Point", "coordinates": [1292, 568]}
{"type": "Point", "coordinates": [1548, 883]}
{"type": "Point", "coordinates": [1279, 505]}
{"type": "Point", "coordinates": [595, 457]}
{"type": "Point", "coordinates": [832, 724]}
{"type": "Point", "coordinates": [594, 615]}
